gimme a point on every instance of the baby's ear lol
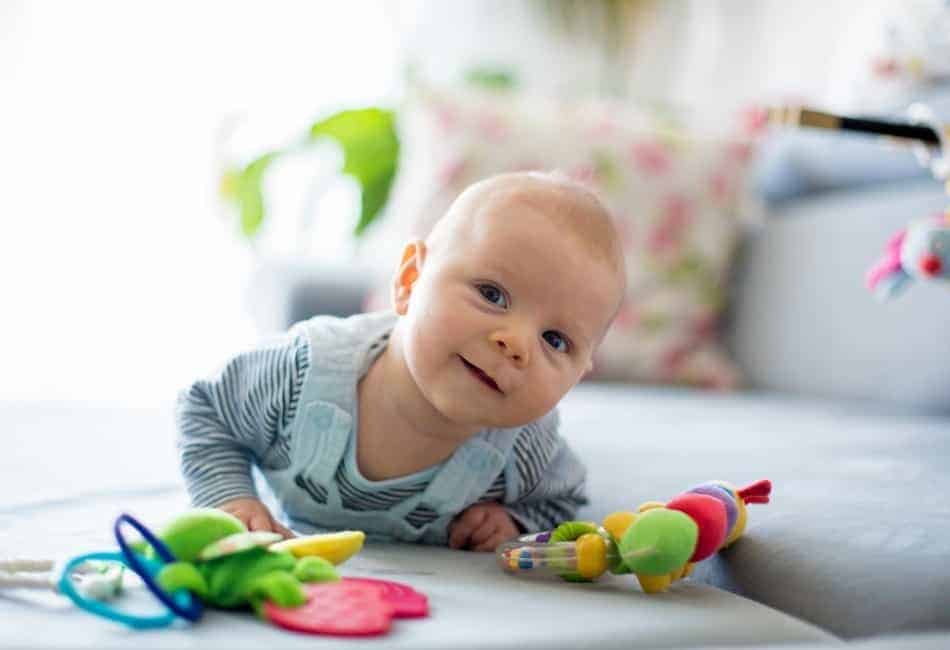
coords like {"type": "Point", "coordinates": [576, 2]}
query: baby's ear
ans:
{"type": "Point", "coordinates": [413, 257]}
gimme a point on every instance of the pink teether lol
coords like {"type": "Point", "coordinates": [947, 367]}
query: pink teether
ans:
{"type": "Point", "coordinates": [407, 602]}
{"type": "Point", "coordinates": [337, 608]}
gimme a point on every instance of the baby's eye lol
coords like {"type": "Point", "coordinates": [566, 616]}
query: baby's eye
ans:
{"type": "Point", "coordinates": [556, 340]}
{"type": "Point", "coordinates": [494, 295]}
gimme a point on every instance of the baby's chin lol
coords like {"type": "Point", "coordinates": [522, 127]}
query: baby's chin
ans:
{"type": "Point", "coordinates": [478, 419]}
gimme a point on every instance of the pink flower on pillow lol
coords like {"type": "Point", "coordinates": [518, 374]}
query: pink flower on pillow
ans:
{"type": "Point", "coordinates": [529, 165]}
{"type": "Point", "coordinates": [602, 128]}
{"type": "Point", "coordinates": [674, 359]}
{"type": "Point", "coordinates": [668, 235]}
{"type": "Point", "coordinates": [753, 120]}
{"type": "Point", "coordinates": [651, 157]}
{"type": "Point", "coordinates": [450, 172]}
{"type": "Point", "coordinates": [625, 228]}
{"type": "Point", "coordinates": [492, 126]}
{"type": "Point", "coordinates": [446, 117]}
{"type": "Point", "coordinates": [885, 67]}
{"type": "Point", "coordinates": [584, 173]}
{"type": "Point", "coordinates": [740, 152]}
{"type": "Point", "coordinates": [720, 185]}
{"type": "Point", "coordinates": [706, 325]}
{"type": "Point", "coordinates": [628, 317]}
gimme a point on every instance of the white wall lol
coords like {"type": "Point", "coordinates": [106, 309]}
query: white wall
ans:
{"type": "Point", "coordinates": [709, 55]}
{"type": "Point", "coordinates": [119, 278]}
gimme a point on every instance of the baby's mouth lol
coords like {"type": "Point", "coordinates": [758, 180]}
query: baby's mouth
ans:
{"type": "Point", "coordinates": [480, 374]}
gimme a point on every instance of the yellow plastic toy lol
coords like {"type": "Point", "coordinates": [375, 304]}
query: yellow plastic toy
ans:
{"type": "Point", "coordinates": [333, 547]}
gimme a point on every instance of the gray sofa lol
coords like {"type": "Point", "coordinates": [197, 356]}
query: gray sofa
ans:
{"type": "Point", "coordinates": [849, 417]}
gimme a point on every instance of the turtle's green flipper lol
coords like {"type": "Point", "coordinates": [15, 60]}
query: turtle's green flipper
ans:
{"type": "Point", "coordinates": [183, 575]}
{"type": "Point", "coordinates": [315, 569]}
{"type": "Point", "coordinates": [278, 587]}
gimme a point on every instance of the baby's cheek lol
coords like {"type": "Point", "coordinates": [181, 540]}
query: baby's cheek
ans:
{"type": "Point", "coordinates": [551, 389]}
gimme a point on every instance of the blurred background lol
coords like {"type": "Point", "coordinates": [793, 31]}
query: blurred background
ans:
{"type": "Point", "coordinates": [171, 181]}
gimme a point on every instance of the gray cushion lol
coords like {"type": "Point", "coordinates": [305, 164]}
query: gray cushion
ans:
{"type": "Point", "coordinates": [854, 542]}
{"type": "Point", "coordinates": [57, 506]}
{"type": "Point", "coordinates": [799, 162]}
{"type": "Point", "coordinates": [803, 321]}
{"type": "Point", "coordinates": [857, 537]}
{"type": "Point", "coordinates": [918, 641]}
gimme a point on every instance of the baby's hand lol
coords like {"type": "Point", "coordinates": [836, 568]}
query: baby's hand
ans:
{"type": "Point", "coordinates": [255, 515]}
{"type": "Point", "coordinates": [482, 527]}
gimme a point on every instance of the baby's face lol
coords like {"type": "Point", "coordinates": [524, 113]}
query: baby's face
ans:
{"type": "Point", "coordinates": [504, 321]}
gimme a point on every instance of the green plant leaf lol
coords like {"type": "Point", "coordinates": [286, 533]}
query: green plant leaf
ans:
{"type": "Point", "coordinates": [243, 187]}
{"type": "Point", "coordinates": [491, 77]}
{"type": "Point", "coordinates": [370, 154]}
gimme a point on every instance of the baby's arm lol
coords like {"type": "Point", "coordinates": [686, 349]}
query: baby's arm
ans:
{"type": "Point", "coordinates": [544, 486]}
{"type": "Point", "coordinates": [236, 418]}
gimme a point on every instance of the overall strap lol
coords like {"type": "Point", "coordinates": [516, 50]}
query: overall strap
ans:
{"type": "Point", "coordinates": [319, 447]}
{"type": "Point", "coordinates": [470, 471]}
{"type": "Point", "coordinates": [340, 352]}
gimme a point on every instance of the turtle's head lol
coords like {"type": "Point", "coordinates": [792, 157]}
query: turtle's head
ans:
{"type": "Point", "coordinates": [195, 529]}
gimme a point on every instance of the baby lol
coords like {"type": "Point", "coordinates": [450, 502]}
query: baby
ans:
{"type": "Point", "coordinates": [434, 422]}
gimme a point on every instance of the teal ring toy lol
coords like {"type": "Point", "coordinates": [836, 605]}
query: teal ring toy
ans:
{"type": "Point", "coordinates": [67, 588]}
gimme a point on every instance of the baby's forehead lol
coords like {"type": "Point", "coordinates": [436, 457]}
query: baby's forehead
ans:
{"type": "Point", "coordinates": [519, 213]}
{"type": "Point", "coordinates": [566, 209]}
{"type": "Point", "coordinates": [569, 212]}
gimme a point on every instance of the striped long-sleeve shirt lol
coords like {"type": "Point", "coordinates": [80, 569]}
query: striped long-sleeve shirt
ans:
{"type": "Point", "coordinates": [242, 416]}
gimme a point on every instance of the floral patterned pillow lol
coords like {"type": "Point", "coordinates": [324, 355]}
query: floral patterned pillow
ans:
{"type": "Point", "coordinates": [678, 202]}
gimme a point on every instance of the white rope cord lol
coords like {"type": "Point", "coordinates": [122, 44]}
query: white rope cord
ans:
{"type": "Point", "coordinates": [20, 581]}
{"type": "Point", "coordinates": [102, 582]}
{"type": "Point", "coordinates": [29, 566]}
{"type": "Point", "coordinates": [15, 574]}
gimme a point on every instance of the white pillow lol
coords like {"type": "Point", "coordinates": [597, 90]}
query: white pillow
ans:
{"type": "Point", "coordinates": [677, 199]}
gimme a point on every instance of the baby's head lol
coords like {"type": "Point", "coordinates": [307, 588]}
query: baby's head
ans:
{"type": "Point", "coordinates": [503, 305]}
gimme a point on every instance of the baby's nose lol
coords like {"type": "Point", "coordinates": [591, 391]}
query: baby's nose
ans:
{"type": "Point", "coordinates": [511, 345]}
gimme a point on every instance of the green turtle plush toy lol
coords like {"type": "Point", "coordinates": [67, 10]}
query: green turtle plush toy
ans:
{"type": "Point", "coordinates": [227, 566]}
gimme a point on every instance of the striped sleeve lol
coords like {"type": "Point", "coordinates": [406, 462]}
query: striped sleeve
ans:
{"type": "Point", "coordinates": [240, 417]}
{"type": "Point", "coordinates": [548, 478]}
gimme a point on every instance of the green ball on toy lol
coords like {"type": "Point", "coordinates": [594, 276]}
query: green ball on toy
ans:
{"type": "Point", "coordinates": [196, 529]}
{"type": "Point", "coordinates": [659, 541]}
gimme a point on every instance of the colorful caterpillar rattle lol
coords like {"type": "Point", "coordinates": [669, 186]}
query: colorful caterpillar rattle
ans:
{"type": "Point", "coordinates": [659, 543]}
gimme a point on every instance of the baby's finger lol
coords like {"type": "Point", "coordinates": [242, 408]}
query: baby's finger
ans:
{"type": "Point", "coordinates": [464, 526]}
{"type": "Point", "coordinates": [490, 544]}
{"type": "Point", "coordinates": [459, 534]}
{"type": "Point", "coordinates": [283, 530]}
{"type": "Point", "coordinates": [483, 533]}
{"type": "Point", "coordinates": [474, 516]}
{"type": "Point", "coordinates": [259, 521]}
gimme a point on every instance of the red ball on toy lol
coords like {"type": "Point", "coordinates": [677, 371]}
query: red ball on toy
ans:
{"type": "Point", "coordinates": [710, 515]}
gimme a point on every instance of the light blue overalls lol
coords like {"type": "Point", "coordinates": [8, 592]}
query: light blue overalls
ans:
{"type": "Point", "coordinates": [324, 428]}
